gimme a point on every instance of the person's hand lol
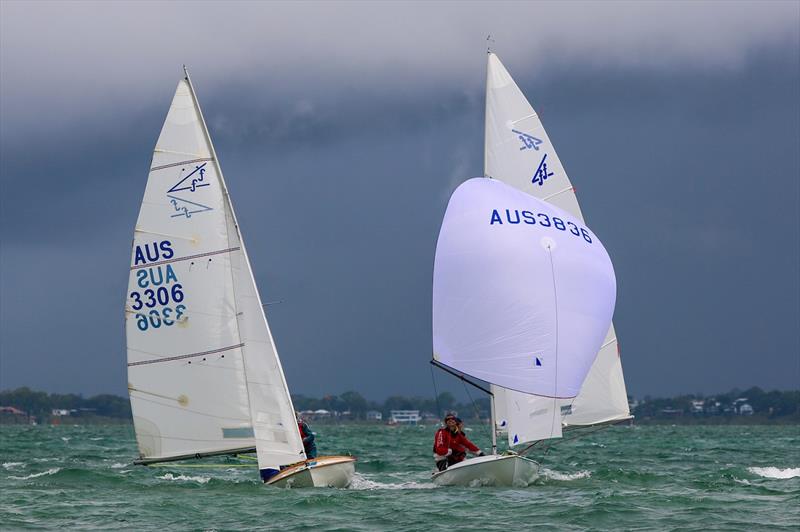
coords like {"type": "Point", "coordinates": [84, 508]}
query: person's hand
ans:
{"type": "Point", "coordinates": [480, 453]}
{"type": "Point", "coordinates": [449, 452]}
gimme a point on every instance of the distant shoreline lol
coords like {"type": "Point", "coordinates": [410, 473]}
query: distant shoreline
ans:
{"type": "Point", "coordinates": [678, 421]}
{"type": "Point", "coordinates": [753, 406]}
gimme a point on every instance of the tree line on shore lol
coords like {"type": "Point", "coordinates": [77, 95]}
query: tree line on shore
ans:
{"type": "Point", "coordinates": [774, 405]}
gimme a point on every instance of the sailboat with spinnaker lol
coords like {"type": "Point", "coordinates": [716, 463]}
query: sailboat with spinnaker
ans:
{"type": "Point", "coordinates": [204, 376]}
{"type": "Point", "coordinates": [523, 295]}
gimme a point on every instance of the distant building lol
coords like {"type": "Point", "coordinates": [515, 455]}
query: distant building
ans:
{"type": "Point", "coordinates": [374, 415]}
{"type": "Point", "coordinates": [429, 417]}
{"type": "Point", "coordinates": [742, 407]}
{"type": "Point", "coordinates": [310, 415]}
{"type": "Point", "coordinates": [13, 415]}
{"type": "Point", "coordinates": [409, 417]}
{"type": "Point", "coordinates": [59, 412]}
{"type": "Point", "coordinates": [698, 407]}
{"type": "Point", "coordinates": [713, 406]}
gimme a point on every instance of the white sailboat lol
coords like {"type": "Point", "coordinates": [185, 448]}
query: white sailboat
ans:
{"type": "Point", "coordinates": [518, 152]}
{"type": "Point", "coordinates": [204, 376]}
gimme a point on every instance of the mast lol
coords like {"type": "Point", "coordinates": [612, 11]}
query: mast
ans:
{"type": "Point", "coordinates": [253, 392]}
{"type": "Point", "coordinates": [230, 207]}
{"type": "Point", "coordinates": [494, 424]}
{"type": "Point", "coordinates": [486, 174]}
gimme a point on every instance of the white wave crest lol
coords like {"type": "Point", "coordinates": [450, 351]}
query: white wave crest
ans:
{"type": "Point", "coordinates": [361, 483]}
{"type": "Point", "coordinates": [775, 472]}
{"type": "Point", "coordinates": [12, 465]}
{"type": "Point", "coordinates": [200, 480]}
{"type": "Point", "coordinates": [118, 465]}
{"type": "Point", "coordinates": [555, 475]}
{"type": "Point", "coordinates": [52, 471]}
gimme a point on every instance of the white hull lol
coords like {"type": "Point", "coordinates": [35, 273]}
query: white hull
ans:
{"type": "Point", "coordinates": [321, 472]}
{"type": "Point", "coordinates": [492, 470]}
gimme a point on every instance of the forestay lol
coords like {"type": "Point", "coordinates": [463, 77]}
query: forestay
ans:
{"type": "Point", "coordinates": [518, 152]}
{"type": "Point", "coordinates": [203, 373]}
{"type": "Point", "coordinates": [523, 292]}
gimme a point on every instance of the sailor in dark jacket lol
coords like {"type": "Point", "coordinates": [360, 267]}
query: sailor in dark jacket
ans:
{"type": "Point", "coordinates": [308, 437]}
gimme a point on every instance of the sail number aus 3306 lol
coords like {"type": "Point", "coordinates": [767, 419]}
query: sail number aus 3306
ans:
{"type": "Point", "coordinates": [159, 302]}
{"type": "Point", "coordinates": [154, 318]}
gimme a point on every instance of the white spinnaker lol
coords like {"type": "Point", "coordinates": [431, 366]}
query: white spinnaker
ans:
{"type": "Point", "coordinates": [188, 331]}
{"type": "Point", "coordinates": [516, 144]}
{"type": "Point", "coordinates": [522, 293]}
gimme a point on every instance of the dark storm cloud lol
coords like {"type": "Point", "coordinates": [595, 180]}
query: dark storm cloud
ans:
{"type": "Point", "coordinates": [340, 170]}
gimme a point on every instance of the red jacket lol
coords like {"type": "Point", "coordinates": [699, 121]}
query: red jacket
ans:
{"type": "Point", "coordinates": [445, 440]}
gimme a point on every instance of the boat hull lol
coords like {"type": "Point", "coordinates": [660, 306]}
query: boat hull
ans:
{"type": "Point", "coordinates": [321, 472]}
{"type": "Point", "coordinates": [492, 470]}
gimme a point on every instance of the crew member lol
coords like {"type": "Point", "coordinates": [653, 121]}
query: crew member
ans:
{"type": "Point", "coordinates": [450, 444]}
{"type": "Point", "coordinates": [308, 437]}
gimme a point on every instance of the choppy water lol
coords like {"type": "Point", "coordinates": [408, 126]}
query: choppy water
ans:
{"type": "Point", "coordinates": [698, 478]}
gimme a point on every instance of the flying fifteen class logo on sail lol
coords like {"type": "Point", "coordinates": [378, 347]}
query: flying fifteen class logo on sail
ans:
{"type": "Point", "coordinates": [188, 184]}
{"type": "Point", "coordinates": [529, 142]}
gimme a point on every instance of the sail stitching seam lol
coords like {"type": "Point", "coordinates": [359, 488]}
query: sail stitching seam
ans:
{"type": "Point", "coordinates": [178, 259]}
{"type": "Point", "coordinates": [153, 169]}
{"type": "Point", "coordinates": [181, 357]}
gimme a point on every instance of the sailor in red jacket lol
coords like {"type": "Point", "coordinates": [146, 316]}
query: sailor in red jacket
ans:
{"type": "Point", "coordinates": [450, 444]}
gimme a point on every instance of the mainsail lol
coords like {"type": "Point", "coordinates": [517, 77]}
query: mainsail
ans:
{"type": "Point", "coordinates": [203, 372]}
{"type": "Point", "coordinates": [518, 152]}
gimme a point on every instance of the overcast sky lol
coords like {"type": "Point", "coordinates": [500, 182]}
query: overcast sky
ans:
{"type": "Point", "coordinates": [342, 129]}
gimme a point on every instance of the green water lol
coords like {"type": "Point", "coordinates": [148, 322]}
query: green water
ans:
{"type": "Point", "coordinates": [664, 478]}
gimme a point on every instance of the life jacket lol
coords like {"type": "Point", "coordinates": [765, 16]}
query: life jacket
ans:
{"type": "Point", "coordinates": [441, 441]}
{"type": "Point", "coordinates": [300, 425]}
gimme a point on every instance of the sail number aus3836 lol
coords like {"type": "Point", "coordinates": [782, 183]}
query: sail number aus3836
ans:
{"type": "Point", "coordinates": [514, 217]}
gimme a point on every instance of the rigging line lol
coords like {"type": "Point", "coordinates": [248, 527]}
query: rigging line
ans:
{"type": "Point", "coordinates": [575, 437]}
{"type": "Point", "coordinates": [436, 393]}
{"type": "Point", "coordinates": [447, 369]}
{"type": "Point", "coordinates": [475, 407]}
{"type": "Point", "coordinates": [582, 434]}
{"type": "Point", "coordinates": [200, 466]}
